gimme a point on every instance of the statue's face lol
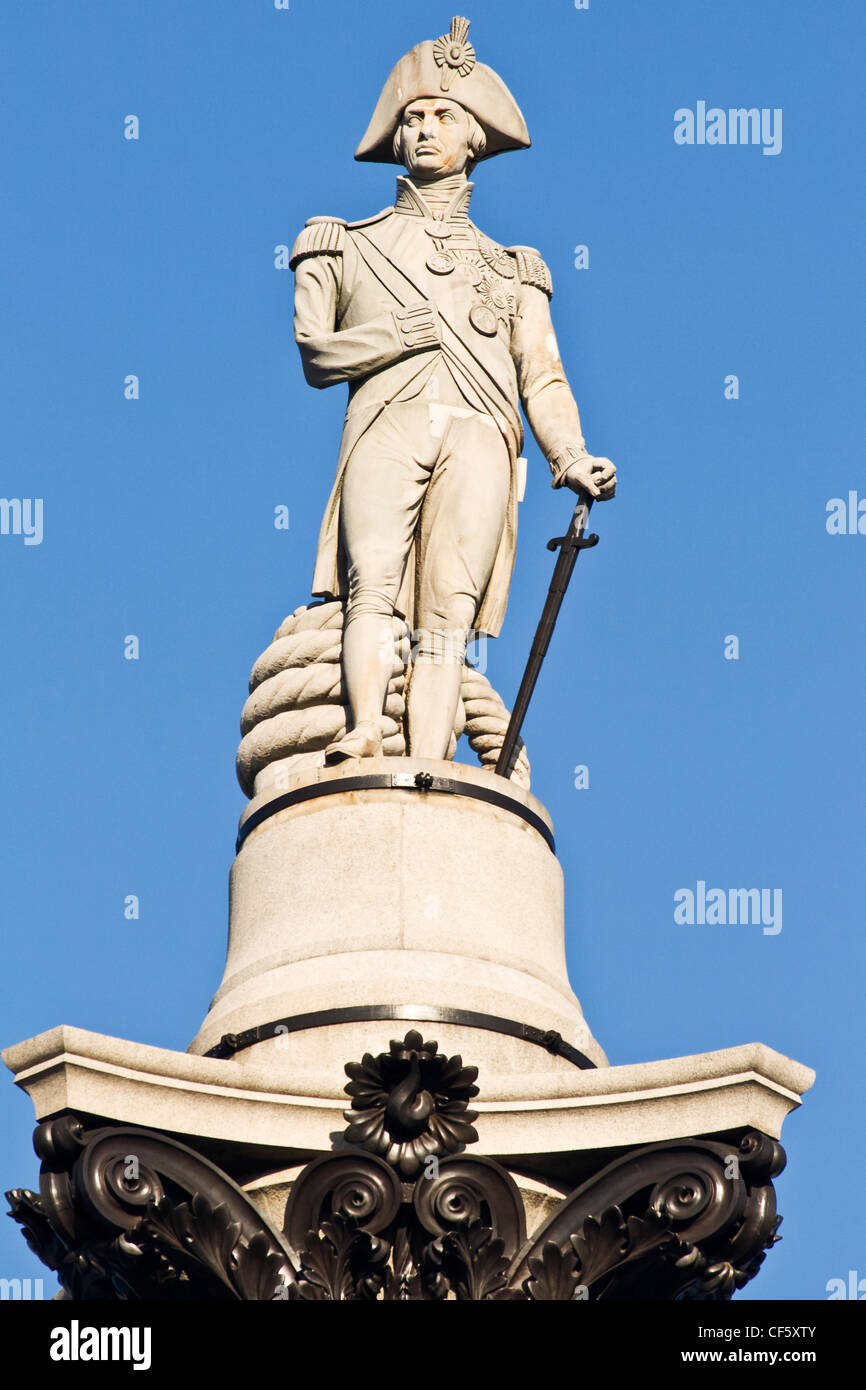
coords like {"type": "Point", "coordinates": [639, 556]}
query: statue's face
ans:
{"type": "Point", "coordinates": [434, 138]}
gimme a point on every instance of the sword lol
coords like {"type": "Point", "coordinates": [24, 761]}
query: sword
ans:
{"type": "Point", "coordinates": [569, 547]}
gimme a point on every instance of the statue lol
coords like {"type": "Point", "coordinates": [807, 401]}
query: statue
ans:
{"type": "Point", "coordinates": [442, 335]}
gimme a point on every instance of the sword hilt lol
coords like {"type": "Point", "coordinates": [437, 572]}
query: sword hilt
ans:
{"type": "Point", "coordinates": [573, 542]}
{"type": "Point", "coordinates": [574, 538]}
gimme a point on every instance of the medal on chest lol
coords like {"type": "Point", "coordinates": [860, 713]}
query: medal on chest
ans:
{"type": "Point", "coordinates": [495, 303]}
{"type": "Point", "coordinates": [484, 320]}
{"type": "Point", "coordinates": [489, 269]}
{"type": "Point", "coordinates": [440, 259]}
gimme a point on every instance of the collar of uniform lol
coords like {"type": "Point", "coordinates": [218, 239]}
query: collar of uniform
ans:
{"type": "Point", "coordinates": [411, 202]}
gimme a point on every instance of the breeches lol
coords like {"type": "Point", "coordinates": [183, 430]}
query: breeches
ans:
{"type": "Point", "coordinates": [424, 473]}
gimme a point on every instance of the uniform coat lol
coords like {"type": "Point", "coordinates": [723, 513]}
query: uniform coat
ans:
{"type": "Point", "coordinates": [496, 350]}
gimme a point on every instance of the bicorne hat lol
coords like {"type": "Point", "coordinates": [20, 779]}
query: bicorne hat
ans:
{"type": "Point", "coordinates": [446, 67]}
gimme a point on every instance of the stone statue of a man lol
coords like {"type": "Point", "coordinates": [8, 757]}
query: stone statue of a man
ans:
{"type": "Point", "coordinates": [442, 334]}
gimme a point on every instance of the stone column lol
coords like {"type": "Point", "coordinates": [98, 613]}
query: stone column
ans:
{"type": "Point", "coordinates": [421, 886]}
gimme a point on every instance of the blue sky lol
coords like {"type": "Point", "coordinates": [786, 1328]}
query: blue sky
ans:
{"type": "Point", "coordinates": [156, 257]}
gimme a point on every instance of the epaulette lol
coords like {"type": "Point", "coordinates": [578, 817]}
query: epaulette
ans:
{"type": "Point", "coordinates": [368, 221]}
{"type": "Point", "coordinates": [321, 236]}
{"type": "Point", "coordinates": [532, 269]}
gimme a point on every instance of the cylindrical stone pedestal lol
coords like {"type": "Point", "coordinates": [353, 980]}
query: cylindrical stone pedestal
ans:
{"type": "Point", "coordinates": [387, 889]}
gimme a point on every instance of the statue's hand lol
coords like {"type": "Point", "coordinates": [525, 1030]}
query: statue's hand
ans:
{"type": "Point", "coordinates": [419, 326]}
{"type": "Point", "coordinates": [596, 476]}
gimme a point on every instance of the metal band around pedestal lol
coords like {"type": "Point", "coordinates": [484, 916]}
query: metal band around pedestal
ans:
{"type": "Point", "coordinates": [553, 1042]}
{"type": "Point", "coordinates": [422, 782]}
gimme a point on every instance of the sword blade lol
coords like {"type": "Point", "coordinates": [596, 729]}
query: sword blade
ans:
{"type": "Point", "coordinates": [569, 547]}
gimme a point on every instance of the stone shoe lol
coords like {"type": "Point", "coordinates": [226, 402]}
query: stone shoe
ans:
{"type": "Point", "coordinates": [364, 741]}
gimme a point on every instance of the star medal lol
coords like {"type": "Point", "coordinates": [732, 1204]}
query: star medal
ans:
{"type": "Point", "coordinates": [497, 258]}
{"type": "Point", "coordinates": [483, 320]}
